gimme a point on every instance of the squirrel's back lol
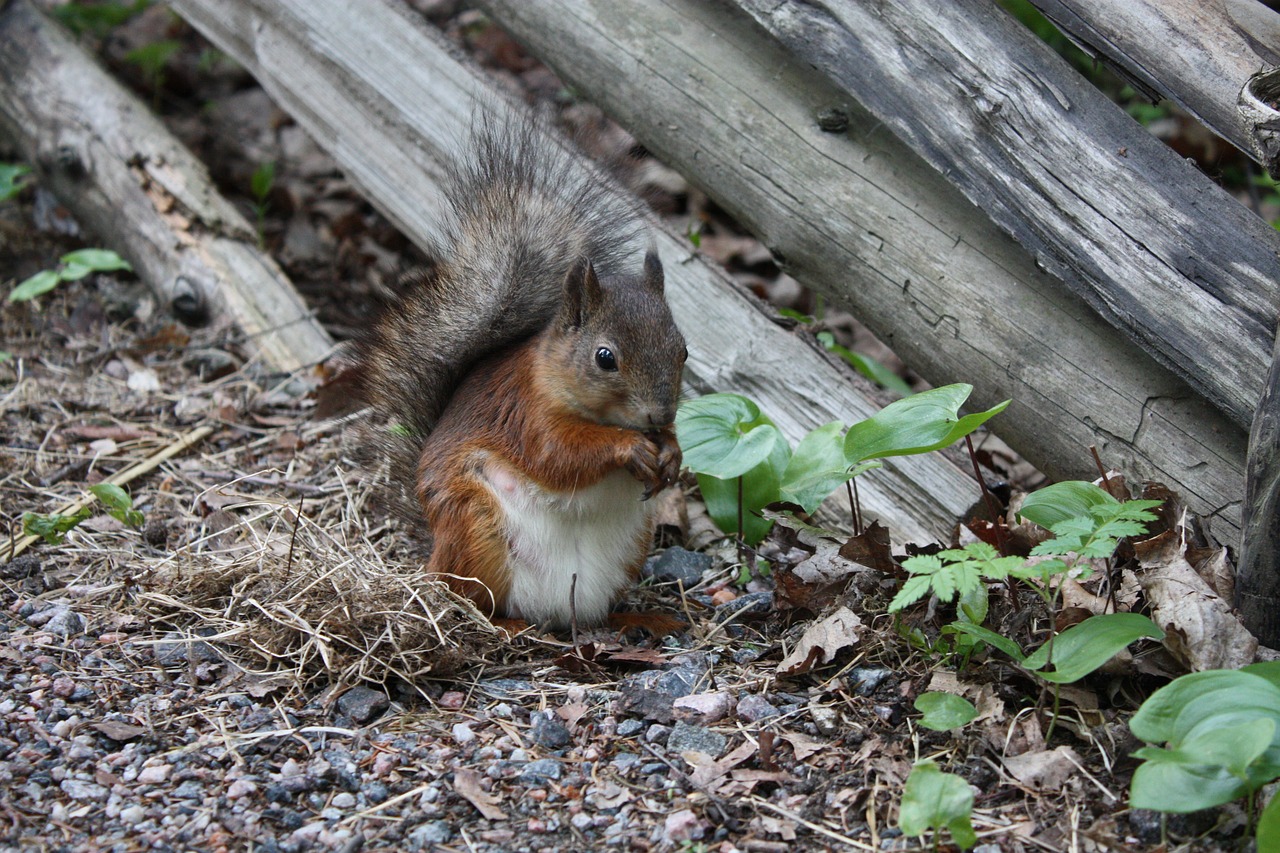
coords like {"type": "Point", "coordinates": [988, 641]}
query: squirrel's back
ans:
{"type": "Point", "coordinates": [519, 212]}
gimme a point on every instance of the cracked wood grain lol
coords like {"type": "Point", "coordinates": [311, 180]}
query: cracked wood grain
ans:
{"type": "Point", "coordinates": [117, 168]}
{"type": "Point", "coordinates": [341, 70]}
{"type": "Point", "coordinates": [1146, 239]}
{"type": "Point", "coordinates": [868, 223]}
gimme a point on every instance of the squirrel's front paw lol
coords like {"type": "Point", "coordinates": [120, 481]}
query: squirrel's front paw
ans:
{"type": "Point", "coordinates": [645, 465]}
{"type": "Point", "coordinates": [669, 457]}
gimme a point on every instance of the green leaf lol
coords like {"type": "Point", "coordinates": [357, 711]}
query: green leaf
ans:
{"type": "Point", "coordinates": [866, 365]}
{"type": "Point", "coordinates": [760, 487]}
{"type": "Point", "coordinates": [918, 424]}
{"type": "Point", "coordinates": [1270, 670]}
{"type": "Point", "coordinates": [912, 591]}
{"type": "Point", "coordinates": [1173, 711]}
{"type": "Point", "coordinates": [724, 435]}
{"type": "Point", "coordinates": [262, 180]}
{"type": "Point", "coordinates": [97, 260]}
{"type": "Point", "coordinates": [1001, 642]}
{"type": "Point", "coordinates": [97, 18]}
{"type": "Point", "coordinates": [40, 283]}
{"type": "Point", "coordinates": [936, 800]}
{"type": "Point", "coordinates": [10, 183]}
{"type": "Point", "coordinates": [944, 711]}
{"type": "Point", "coordinates": [118, 504]}
{"type": "Point", "coordinates": [1061, 501]}
{"type": "Point", "coordinates": [1084, 647]}
{"type": "Point", "coordinates": [1269, 826]}
{"type": "Point", "coordinates": [152, 58]}
{"type": "Point", "coordinates": [52, 528]}
{"type": "Point", "coordinates": [1172, 787]}
{"type": "Point", "coordinates": [816, 468]}
{"type": "Point", "coordinates": [74, 272]}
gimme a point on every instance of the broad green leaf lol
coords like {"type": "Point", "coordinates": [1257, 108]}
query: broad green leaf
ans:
{"type": "Point", "coordinates": [98, 260]}
{"type": "Point", "coordinates": [725, 435]}
{"type": "Point", "coordinates": [760, 487]}
{"type": "Point", "coordinates": [1269, 825]}
{"type": "Point", "coordinates": [1171, 713]}
{"type": "Point", "coordinates": [918, 424]}
{"type": "Point", "coordinates": [1231, 747]}
{"type": "Point", "coordinates": [817, 467]}
{"type": "Point", "coordinates": [1084, 647]}
{"type": "Point", "coordinates": [1168, 786]}
{"type": "Point", "coordinates": [936, 800]}
{"type": "Point", "coordinates": [972, 606]}
{"type": "Point", "coordinates": [10, 183]}
{"type": "Point", "coordinates": [118, 504]}
{"type": "Point", "coordinates": [52, 528]}
{"type": "Point", "coordinates": [74, 272]}
{"type": "Point", "coordinates": [40, 283]}
{"type": "Point", "coordinates": [1001, 642]}
{"type": "Point", "coordinates": [1061, 501]}
{"type": "Point", "coordinates": [1270, 670]}
{"type": "Point", "coordinates": [943, 711]}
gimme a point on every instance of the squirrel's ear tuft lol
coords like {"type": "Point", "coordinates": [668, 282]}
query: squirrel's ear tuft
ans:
{"type": "Point", "coordinates": [653, 277]}
{"type": "Point", "coordinates": [582, 293]}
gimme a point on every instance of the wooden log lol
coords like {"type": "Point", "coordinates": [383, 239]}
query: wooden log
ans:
{"type": "Point", "coordinates": [382, 91]}
{"type": "Point", "coordinates": [1148, 241]}
{"type": "Point", "coordinates": [126, 178]}
{"type": "Point", "coordinates": [1221, 46]}
{"type": "Point", "coordinates": [856, 215]}
{"type": "Point", "coordinates": [1258, 570]}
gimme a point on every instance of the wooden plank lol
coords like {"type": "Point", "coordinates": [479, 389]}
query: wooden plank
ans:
{"type": "Point", "coordinates": [125, 177]}
{"type": "Point", "coordinates": [1258, 571]}
{"type": "Point", "coordinates": [861, 218]}
{"type": "Point", "coordinates": [1221, 46]}
{"type": "Point", "coordinates": [342, 71]}
{"type": "Point", "coordinates": [1146, 239]}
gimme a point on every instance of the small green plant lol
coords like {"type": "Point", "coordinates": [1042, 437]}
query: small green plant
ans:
{"type": "Point", "coordinates": [934, 800]}
{"type": "Point", "coordinates": [11, 182]}
{"type": "Point", "coordinates": [743, 462]}
{"type": "Point", "coordinates": [944, 711]}
{"type": "Point", "coordinates": [1221, 736]}
{"type": "Point", "coordinates": [75, 265]}
{"type": "Point", "coordinates": [53, 527]}
{"type": "Point", "coordinates": [260, 184]}
{"type": "Point", "coordinates": [97, 19]}
{"type": "Point", "coordinates": [866, 365]}
{"type": "Point", "coordinates": [152, 59]}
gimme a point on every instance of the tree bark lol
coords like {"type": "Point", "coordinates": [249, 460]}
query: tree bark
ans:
{"type": "Point", "coordinates": [1258, 570]}
{"type": "Point", "coordinates": [1147, 240]}
{"type": "Point", "coordinates": [1221, 46]}
{"type": "Point", "coordinates": [857, 215]}
{"type": "Point", "coordinates": [126, 178]}
{"type": "Point", "coordinates": [383, 93]}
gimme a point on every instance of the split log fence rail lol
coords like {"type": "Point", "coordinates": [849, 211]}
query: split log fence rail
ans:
{"type": "Point", "coordinates": [932, 167]}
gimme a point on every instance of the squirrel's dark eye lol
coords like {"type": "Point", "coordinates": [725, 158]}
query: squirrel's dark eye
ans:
{"type": "Point", "coordinates": [605, 359]}
{"type": "Point", "coordinates": [685, 356]}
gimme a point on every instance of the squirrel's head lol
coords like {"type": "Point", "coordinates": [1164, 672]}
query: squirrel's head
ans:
{"type": "Point", "coordinates": [617, 353]}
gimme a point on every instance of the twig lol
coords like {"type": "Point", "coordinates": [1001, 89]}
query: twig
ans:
{"type": "Point", "coordinates": [992, 505]}
{"type": "Point", "coordinates": [816, 827]}
{"type": "Point", "coordinates": [1102, 469]}
{"type": "Point", "coordinates": [119, 479]}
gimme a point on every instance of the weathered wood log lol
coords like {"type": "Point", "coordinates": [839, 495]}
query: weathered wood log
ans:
{"type": "Point", "coordinates": [1258, 569]}
{"type": "Point", "coordinates": [1221, 46]}
{"type": "Point", "coordinates": [382, 91]}
{"type": "Point", "coordinates": [1148, 241]}
{"type": "Point", "coordinates": [858, 216]}
{"type": "Point", "coordinates": [125, 177]}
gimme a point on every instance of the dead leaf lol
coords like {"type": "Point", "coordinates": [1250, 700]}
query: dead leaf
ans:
{"type": "Point", "coordinates": [467, 783]}
{"type": "Point", "coordinates": [707, 770]}
{"type": "Point", "coordinates": [572, 712]}
{"type": "Point", "coordinates": [1043, 770]}
{"type": "Point", "coordinates": [115, 432]}
{"type": "Point", "coordinates": [816, 583]}
{"type": "Point", "coordinates": [1200, 628]}
{"type": "Point", "coordinates": [871, 549]}
{"type": "Point", "coordinates": [119, 731]}
{"type": "Point", "coordinates": [803, 745]}
{"type": "Point", "coordinates": [822, 642]}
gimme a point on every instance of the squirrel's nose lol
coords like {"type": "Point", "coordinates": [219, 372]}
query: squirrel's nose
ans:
{"type": "Point", "coordinates": [661, 417]}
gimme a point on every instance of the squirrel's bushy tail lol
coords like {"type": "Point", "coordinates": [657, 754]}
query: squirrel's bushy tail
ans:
{"type": "Point", "coordinates": [520, 209]}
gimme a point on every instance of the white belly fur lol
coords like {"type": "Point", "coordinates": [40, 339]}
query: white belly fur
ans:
{"type": "Point", "coordinates": [552, 536]}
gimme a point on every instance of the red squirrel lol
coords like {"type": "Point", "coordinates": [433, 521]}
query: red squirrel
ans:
{"type": "Point", "coordinates": [529, 384]}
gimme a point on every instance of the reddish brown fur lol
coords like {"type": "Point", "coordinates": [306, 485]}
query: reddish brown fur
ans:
{"type": "Point", "coordinates": [513, 408]}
